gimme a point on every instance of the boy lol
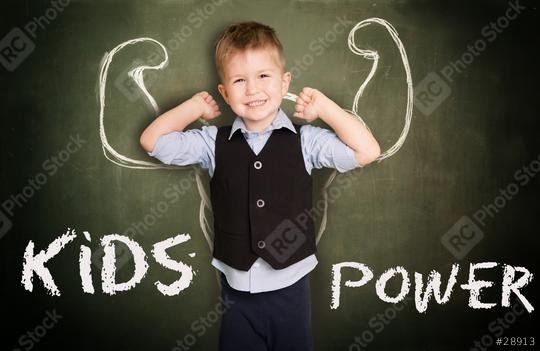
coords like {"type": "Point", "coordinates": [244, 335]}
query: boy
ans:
{"type": "Point", "coordinates": [261, 181]}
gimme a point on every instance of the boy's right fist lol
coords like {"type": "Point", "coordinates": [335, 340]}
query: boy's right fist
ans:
{"type": "Point", "coordinates": [208, 107]}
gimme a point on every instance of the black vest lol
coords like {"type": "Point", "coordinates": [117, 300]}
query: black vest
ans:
{"type": "Point", "coordinates": [261, 203]}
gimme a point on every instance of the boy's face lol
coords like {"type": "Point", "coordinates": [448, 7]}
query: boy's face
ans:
{"type": "Point", "coordinates": [254, 85]}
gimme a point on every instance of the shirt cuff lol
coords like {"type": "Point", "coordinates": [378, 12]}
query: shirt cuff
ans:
{"type": "Point", "coordinates": [160, 147]}
{"type": "Point", "coordinates": [156, 147]}
{"type": "Point", "coordinates": [349, 161]}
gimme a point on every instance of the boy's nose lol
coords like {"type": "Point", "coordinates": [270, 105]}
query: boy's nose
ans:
{"type": "Point", "coordinates": [251, 88]}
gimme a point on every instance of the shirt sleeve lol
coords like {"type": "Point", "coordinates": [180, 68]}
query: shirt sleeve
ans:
{"type": "Point", "coordinates": [323, 148]}
{"type": "Point", "coordinates": [193, 146]}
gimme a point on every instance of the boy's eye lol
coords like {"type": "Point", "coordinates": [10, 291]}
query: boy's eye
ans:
{"type": "Point", "coordinates": [264, 75]}
{"type": "Point", "coordinates": [238, 80]}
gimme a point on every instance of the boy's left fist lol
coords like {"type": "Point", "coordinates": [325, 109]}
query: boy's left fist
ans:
{"type": "Point", "coordinates": [308, 104]}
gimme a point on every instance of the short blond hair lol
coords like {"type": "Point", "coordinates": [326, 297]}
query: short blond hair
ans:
{"type": "Point", "coordinates": [243, 36]}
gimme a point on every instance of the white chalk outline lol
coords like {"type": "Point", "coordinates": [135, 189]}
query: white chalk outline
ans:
{"type": "Point", "coordinates": [371, 55]}
{"type": "Point", "coordinates": [137, 75]}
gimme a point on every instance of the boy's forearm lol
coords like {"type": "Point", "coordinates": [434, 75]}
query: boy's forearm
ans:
{"type": "Point", "coordinates": [351, 131]}
{"type": "Point", "coordinates": [175, 119]}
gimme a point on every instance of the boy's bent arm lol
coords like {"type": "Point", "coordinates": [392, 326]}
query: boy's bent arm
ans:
{"type": "Point", "coordinates": [200, 105]}
{"type": "Point", "coordinates": [352, 132]}
{"type": "Point", "coordinates": [349, 129]}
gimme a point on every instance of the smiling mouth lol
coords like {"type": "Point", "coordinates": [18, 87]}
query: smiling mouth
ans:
{"type": "Point", "coordinates": [256, 103]}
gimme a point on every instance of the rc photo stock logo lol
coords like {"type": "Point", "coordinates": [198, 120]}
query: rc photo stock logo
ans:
{"type": "Point", "coordinates": [290, 234]}
{"type": "Point", "coordinates": [434, 89]}
{"type": "Point", "coordinates": [31, 338]}
{"type": "Point", "coordinates": [16, 45]}
{"type": "Point", "coordinates": [5, 224]}
{"type": "Point", "coordinates": [283, 241]}
{"type": "Point", "coordinates": [128, 86]}
{"type": "Point", "coordinates": [49, 168]}
{"type": "Point", "coordinates": [14, 48]}
{"type": "Point", "coordinates": [466, 233]}
{"type": "Point", "coordinates": [125, 81]}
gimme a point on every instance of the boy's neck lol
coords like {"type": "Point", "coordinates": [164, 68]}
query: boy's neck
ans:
{"type": "Point", "coordinates": [260, 125]}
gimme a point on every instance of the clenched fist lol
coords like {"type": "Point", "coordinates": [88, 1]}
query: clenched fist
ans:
{"type": "Point", "coordinates": [208, 107]}
{"type": "Point", "coordinates": [308, 104]}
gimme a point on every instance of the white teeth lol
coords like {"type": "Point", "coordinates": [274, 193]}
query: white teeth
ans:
{"type": "Point", "coordinates": [256, 103]}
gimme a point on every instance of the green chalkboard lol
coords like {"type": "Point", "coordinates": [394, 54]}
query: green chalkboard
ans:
{"type": "Point", "coordinates": [472, 136]}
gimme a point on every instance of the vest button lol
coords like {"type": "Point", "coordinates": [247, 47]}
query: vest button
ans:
{"type": "Point", "coordinates": [261, 244]}
{"type": "Point", "coordinates": [257, 165]}
{"type": "Point", "coordinates": [260, 203]}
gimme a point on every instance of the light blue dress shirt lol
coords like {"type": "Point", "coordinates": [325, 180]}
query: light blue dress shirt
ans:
{"type": "Point", "coordinates": [320, 148]}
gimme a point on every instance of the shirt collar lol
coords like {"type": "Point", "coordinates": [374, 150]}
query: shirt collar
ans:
{"type": "Point", "coordinates": [281, 120]}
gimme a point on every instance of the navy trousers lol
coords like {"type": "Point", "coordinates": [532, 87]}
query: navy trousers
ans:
{"type": "Point", "coordinates": [278, 320]}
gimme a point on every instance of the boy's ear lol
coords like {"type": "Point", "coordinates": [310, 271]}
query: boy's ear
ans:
{"type": "Point", "coordinates": [223, 92]}
{"type": "Point", "coordinates": [285, 82]}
